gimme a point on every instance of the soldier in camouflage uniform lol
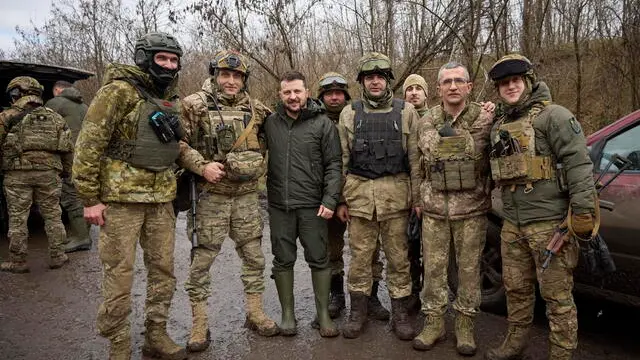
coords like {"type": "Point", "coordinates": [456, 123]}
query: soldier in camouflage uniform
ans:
{"type": "Point", "coordinates": [333, 92]}
{"type": "Point", "coordinates": [540, 160]}
{"type": "Point", "coordinates": [452, 189]}
{"type": "Point", "coordinates": [221, 131]}
{"type": "Point", "coordinates": [122, 170]}
{"type": "Point", "coordinates": [67, 102]}
{"type": "Point", "coordinates": [376, 194]}
{"type": "Point", "coordinates": [36, 150]}
{"type": "Point", "coordinates": [415, 90]}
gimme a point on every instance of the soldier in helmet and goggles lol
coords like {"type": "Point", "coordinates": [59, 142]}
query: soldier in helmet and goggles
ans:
{"type": "Point", "coordinates": [221, 146]}
{"type": "Point", "coordinates": [544, 143]}
{"type": "Point", "coordinates": [123, 174]}
{"type": "Point", "coordinates": [375, 135]}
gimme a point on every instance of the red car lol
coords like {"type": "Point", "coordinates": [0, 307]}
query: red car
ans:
{"type": "Point", "coordinates": [620, 227]}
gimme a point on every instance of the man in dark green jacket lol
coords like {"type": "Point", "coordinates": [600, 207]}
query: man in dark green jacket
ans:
{"type": "Point", "coordinates": [303, 186]}
{"type": "Point", "coordinates": [68, 102]}
{"type": "Point", "coordinates": [539, 159]}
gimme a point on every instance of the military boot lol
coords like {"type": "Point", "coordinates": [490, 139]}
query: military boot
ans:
{"type": "Point", "coordinates": [465, 342]}
{"type": "Point", "coordinates": [120, 348]}
{"type": "Point", "coordinates": [400, 323]}
{"type": "Point", "coordinates": [357, 316]}
{"type": "Point", "coordinates": [375, 310]}
{"type": "Point", "coordinates": [15, 265]}
{"type": "Point", "coordinates": [80, 240]}
{"type": "Point", "coordinates": [432, 332]}
{"type": "Point", "coordinates": [321, 280]}
{"type": "Point", "coordinates": [336, 300]}
{"type": "Point", "coordinates": [256, 318]}
{"type": "Point", "coordinates": [158, 344]}
{"type": "Point", "coordinates": [558, 353]}
{"type": "Point", "coordinates": [200, 337]}
{"type": "Point", "coordinates": [57, 261]}
{"type": "Point", "coordinates": [284, 284]}
{"type": "Point", "coordinates": [512, 346]}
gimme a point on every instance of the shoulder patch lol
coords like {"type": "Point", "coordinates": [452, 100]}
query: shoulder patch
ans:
{"type": "Point", "coordinates": [575, 125]}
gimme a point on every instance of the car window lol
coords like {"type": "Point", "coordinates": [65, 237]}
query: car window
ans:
{"type": "Point", "coordinates": [625, 144]}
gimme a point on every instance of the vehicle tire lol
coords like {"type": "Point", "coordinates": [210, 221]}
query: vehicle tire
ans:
{"type": "Point", "coordinates": [493, 293]}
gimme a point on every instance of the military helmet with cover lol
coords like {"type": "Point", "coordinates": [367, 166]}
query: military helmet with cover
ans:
{"type": "Point", "coordinates": [147, 46]}
{"type": "Point", "coordinates": [510, 65]}
{"type": "Point", "coordinates": [374, 63]}
{"type": "Point", "coordinates": [333, 81]}
{"type": "Point", "coordinates": [230, 60]}
{"type": "Point", "coordinates": [22, 86]}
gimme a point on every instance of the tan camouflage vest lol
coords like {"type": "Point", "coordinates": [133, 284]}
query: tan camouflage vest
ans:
{"type": "Point", "coordinates": [453, 167]}
{"type": "Point", "coordinates": [522, 166]}
{"type": "Point", "coordinates": [146, 151]}
{"type": "Point", "coordinates": [35, 142]}
{"type": "Point", "coordinates": [222, 139]}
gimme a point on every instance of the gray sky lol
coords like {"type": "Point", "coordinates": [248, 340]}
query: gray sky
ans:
{"type": "Point", "coordinates": [20, 12]}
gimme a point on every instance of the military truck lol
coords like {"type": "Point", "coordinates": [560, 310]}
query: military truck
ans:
{"type": "Point", "coordinates": [47, 75]}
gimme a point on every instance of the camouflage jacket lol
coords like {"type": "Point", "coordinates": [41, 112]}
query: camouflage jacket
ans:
{"type": "Point", "coordinates": [474, 122]}
{"type": "Point", "coordinates": [113, 115]}
{"type": "Point", "coordinates": [69, 104]}
{"type": "Point", "coordinates": [559, 135]}
{"type": "Point", "coordinates": [56, 133]}
{"type": "Point", "coordinates": [198, 126]}
{"type": "Point", "coordinates": [389, 196]}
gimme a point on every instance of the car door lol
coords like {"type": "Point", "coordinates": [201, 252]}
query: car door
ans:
{"type": "Point", "coordinates": [621, 227]}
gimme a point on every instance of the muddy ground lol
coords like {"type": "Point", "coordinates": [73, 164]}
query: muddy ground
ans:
{"type": "Point", "coordinates": [50, 314]}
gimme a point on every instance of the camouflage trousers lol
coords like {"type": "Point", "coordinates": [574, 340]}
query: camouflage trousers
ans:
{"type": "Point", "coordinates": [69, 199]}
{"type": "Point", "coordinates": [217, 216]}
{"type": "Point", "coordinates": [336, 246]}
{"type": "Point", "coordinates": [468, 241]}
{"type": "Point", "coordinates": [154, 226]}
{"type": "Point", "coordinates": [363, 242]}
{"type": "Point", "coordinates": [522, 257]}
{"type": "Point", "coordinates": [22, 188]}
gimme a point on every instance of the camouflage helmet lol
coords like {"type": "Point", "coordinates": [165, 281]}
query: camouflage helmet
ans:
{"type": "Point", "coordinates": [512, 64]}
{"type": "Point", "coordinates": [333, 81]}
{"type": "Point", "coordinates": [26, 86]}
{"type": "Point", "coordinates": [231, 60]}
{"type": "Point", "coordinates": [151, 43]}
{"type": "Point", "coordinates": [374, 63]}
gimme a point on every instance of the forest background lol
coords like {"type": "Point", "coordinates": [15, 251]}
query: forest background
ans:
{"type": "Point", "coordinates": [588, 51]}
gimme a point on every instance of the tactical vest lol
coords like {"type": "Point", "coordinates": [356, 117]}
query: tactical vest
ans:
{"type": "Point", "coordinates": [215, 140]}
{"type": "Point", "coordinates": [146, 151]}
{"type": "Point", "coordinates": [454, 163]}
{"type": "Point", "coordinates": [377, 142]}
{"type": "Point", "coordinates": [36, 141]}
{"type": "Point", "coordinates": [519, 164]}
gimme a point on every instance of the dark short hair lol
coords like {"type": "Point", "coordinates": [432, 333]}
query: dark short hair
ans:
{"type": "Point", "coordinates": [294, 75]}
{"type": "Point", "coordinates": [62, 84]}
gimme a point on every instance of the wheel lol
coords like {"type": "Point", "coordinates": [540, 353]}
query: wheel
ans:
{"type": "Point", "coordinates": [493, 293]}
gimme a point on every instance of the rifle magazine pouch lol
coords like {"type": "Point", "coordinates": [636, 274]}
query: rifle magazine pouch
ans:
{"type": "Point", "coordinates": [245, 165]}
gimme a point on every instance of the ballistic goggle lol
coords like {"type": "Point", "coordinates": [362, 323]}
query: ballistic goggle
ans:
{"type": "Point", "coordinates": [332, 81]}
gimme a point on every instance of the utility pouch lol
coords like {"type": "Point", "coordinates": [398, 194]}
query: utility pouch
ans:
{"type": "Point", "coordinates": [226, 137]}
{"type": "Point", "coordinates": [166, 127]}
{"type": "Point", "coordinates": [453, 175]}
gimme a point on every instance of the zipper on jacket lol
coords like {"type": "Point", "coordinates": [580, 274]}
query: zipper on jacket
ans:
{"type": "Point", "coordinates": [288, 163]}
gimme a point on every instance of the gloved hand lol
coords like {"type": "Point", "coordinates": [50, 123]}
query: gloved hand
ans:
{"type": "Point", "coordinates": [582, 224]}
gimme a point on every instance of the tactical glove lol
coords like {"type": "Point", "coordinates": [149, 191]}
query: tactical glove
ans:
{"type": "Point", "coordinates": [582, 224]}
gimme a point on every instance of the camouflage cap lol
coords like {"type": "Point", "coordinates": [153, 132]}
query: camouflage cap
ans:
{"type": "Point", "coordinates": [509, 65]}
{"type": "Point", "coordinates": [374, 63]}
{"type": "Point", "coordinates": [414, 79]}
{"type": "Point", "coordinates": [26, 84]}
{"type": "Point", "coordinates": [231, 60]}
{"type": "Point", "coordinates": [333, 81]}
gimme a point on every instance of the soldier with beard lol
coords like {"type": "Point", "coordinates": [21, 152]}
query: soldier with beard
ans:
{"type": "Point", "coordinates": [122, 171]}
{"type": "Point", "coordinates": [414, 89]}
{"type": "Point", "coordinates": [333, 92]}
{"type": "Point", "coordinates": [376, 149]}
{"type": "Point", "coordinates": [221, 145]}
